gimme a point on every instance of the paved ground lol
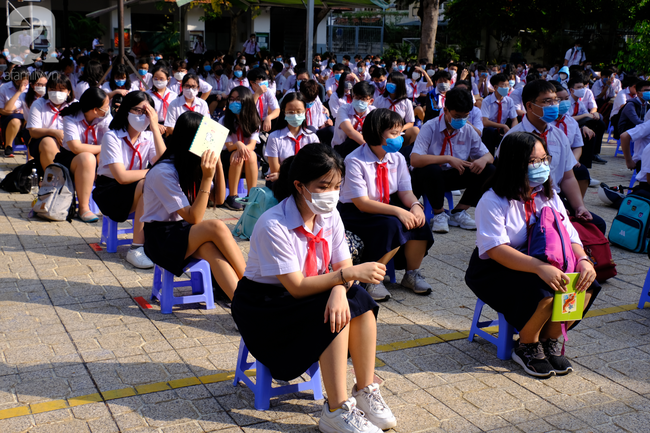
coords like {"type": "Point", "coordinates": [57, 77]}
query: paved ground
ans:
{"type": "Point", "coordinates": [78, 354]}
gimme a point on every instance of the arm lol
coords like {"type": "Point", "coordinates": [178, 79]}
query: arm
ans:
{"type": "Point", "coordinates": [364, 204]}
{"type": "Point", "coordinates": [478, 166]}
{"type": "Point", "coordinates": [407, 126]}
{"type": "Point", "coordinates": [625, 147]}
{"type": "Point", "coordinates": [490, 124]}
{"type": "Point", "coordinates": [77, 147]}
{"type": "Point", "coordinates": [158, 141]}
{"type": "Point", "coordinates": [515, 122]}
{"type": "Point", "coordinates": [194, 214]}
{"type": "Point", "coordinates": [352, 133]}
{"type": "Point", "coordinates": [571, 190]}
{"type": "Point", "coordinates": [124, 176]}
{"type": "Point", "coordinates": [43, 132]}
{"type": "Point", "coordinates": [577, 153]}
{"type": "Point", "coordinates": [10, 106]}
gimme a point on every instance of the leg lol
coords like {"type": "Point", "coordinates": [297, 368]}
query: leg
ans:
{"type": "Point", "coordinates": [221, 269]}
{"type": "Point", "coordinates": [410, 135]}
{"type": "Point", "coordinates": [333, 367]}
{"type": "Point", "coordinates": [419, 112]}
{"type": "Point", "coordinates": [138, 207]}
{"type": "Point", "coordinates": [48, 149]}
{"type": "Point", "coordinates": [362, 347]}
{"type": "Point", "coordinates": [13, 127]}
{"type": "Point", "coordinates": [234, 174]}
{"type": "Point", "coordinates": [530, 332]}
{"type": "Point", "coordinates": [430, 181]}
{"type": "Point", "coordinates": [414, 252]}
{"type": "Point", "coordinates": [83, 170]}
{"type": "Point", "coordinates": [217, 232]}
{"type": "Point", "coordinates": [252, 171]}
{"type": "Point", "coordinates": [473, 184]}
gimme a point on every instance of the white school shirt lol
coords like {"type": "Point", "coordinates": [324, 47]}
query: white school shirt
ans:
{"type": "Point", "coordinates": [503, 222]}
{"type": "Point", "coordinates": [613, 90]}
{"type": "Point", "coordinates": [179, 106]}
{"type": "Point", "coordinates": [175, 86]}
{"type": "Point", "coordinates": [481, 91]}
{"type": "Point", "coordinates": [7, 91]}
{"type": "Point", "coordinates": [465, 142]}
{"type": "Point", "coordinates": [558, 147]}
{"type": "Point", "coordinates": [640, 135]}
{"type": "Point", "coordinates": [251, 47]}
{"type": "Point", "coordinates": [361, 174]}
{"type": "Point", "coordinates": [577, 107]}
{"type": "Point", "coordinates": [219, 84]}
{"type": "Point", "coordinates": [490, 109]}
{"type": "Point", "coordinates": [160, 102]}
{"type": "Point", "coordinates": [239, 136]}
{"type": "Point", "coordinates": [314, 115]}
{"type": "Point", "coordinates": [280, 80]}
{"type": "Point", "coordinates": [115, 149]}
{"type": "Point", "coordinates": [574, 56]}
{"type": "Point", "coordinates": [147, 79]}
{"type": "Point", "coordinates": [404, 107]}
{"type": "Point", "coordinates": [347, 113]}
{"type": "Point", "coordinates": [621, 99]}
{"type": "Point", "coordinates": [266, 101]}
{"type": "Point", "coordinates": [277, 248]}
{"type": "Point", "coordinates": [135, 86]}
{"type": "Point", "coordinates": [572, 131]}
{"type": "Point", "coordinates": [289, 83]}
{"type": "Point", "coordinates": [476, 118]}
{"type": "Point", "coordinates": [23, 104]}
{"type": "Point", "coordinates": [331, 85]}
{"type": "Point", "coordinates": [589, 100]}
{"type": "Point", "coordinates": [236, 82]}
{"type": "Point", "coordinates": [162, 194]}
{"type": "Point", "coordinates": [336, 103]}
{"type": "Point", "coordinates": [515, 95]}
{"type": "Point", "coordinates": [415, 89]}
{"type": "Point", "coordinates": [81, 87]}
{"type": "Point", "coordinates": [76, 128]}
{"type": "Point", "coordinates": [44, 115]}
{"type": "Point", "coordinates": [281, 143]}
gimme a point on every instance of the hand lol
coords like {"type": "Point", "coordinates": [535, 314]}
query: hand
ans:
{"type": "Point", "coordinates": [464, 74]}
{"type": "Point", "coordinates": [419, 216]}
{"type": "Point", "coordinates": [588, 132]}
{"type": "Point", "coordinates": [407, 218]}
{"type": "Point", "coordinates": [505, 128]}
{"type": "Point", "coordinates": [272, 177]}
{"type": "Point", "coordinates": [58, 135]}
{"type": "Point", "coordinates": [595, 116]}
{"type": "Point", "coordinates": [587, 275]}
{"type": "Point", "coordinates": [266, 125]}
{"type": "Point", "coordinates": [162, 129]}
{"type": "Point", "coordinates": [554, 277]}
{"type": "Point", "coordinates": [23, 86]}
{"type": "Point", "coordinates": [329, 122]}
{"type": "Point", "coordinates": [458, 164]}
{"type": "Point", "coordinates": [477, 166]}
{"type": "Point", "coordinates": [371, 272]}
{"type": "Point", "coordinates": [419, 69]}
{"type": "Point", "coordinates": [122, 92]}
{"type": "Point", "coordinates": [209, 163]}
{"type": "Point", "coordinates": [337, 311]}
{"type": "Point", "coordinates": [630, 163]}
{"type": "Point", "coordinates": [151, 114]}
{"type": "Point", "coordinates": [582, 213]}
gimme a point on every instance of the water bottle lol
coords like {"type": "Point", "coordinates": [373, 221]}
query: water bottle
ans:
{"type": "Point", "coordinates": [33, 190]}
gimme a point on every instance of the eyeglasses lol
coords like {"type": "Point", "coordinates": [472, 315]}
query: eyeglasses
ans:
{"type": "Point", "coordinates": [537, 162]}
{"type": "Point", "coordinates": [138, 111]}
{"type": "Point", "coordinates": [548, 101]}
{"type": "Point", "coordinates": [291, 113]}
{"type": "Point", "coordinates": [234, 100]}
{"type": "Point", "coordinates": [191, 87]}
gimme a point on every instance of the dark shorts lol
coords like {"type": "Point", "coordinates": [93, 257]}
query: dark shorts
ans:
{"type": "Point", "coordinates": [4, 120]}
{"type": "Point", "coordinates": [65, 157]}
{"type": "Point", "coordinates": [114, 199]}
{"type": "Point", "coordinates": [165, 243]}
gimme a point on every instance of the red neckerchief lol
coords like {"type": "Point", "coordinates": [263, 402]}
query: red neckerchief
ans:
{"type": "Point", "coordinates": [296, 142]}
{"type": "Point", "coordinates": [349, 99]}
{"type": "Point", "coordinates": [447, 141]}
{"type": "Point", "coordinates": [530, 207]}
{"type": "Point", "coordinates": [56, 112]}
{"type": "Point", "coordinates": [415, 86]}
{"type": "Point", "coordinates": [260, 103]}
{"type": "Point", "coordinates": [308, 113]}
{"type": "Point", "coordinates": [359, 125]}
{"type": "Point", "coordinates": [543, 134]}
{"type": "Point", "coordinates": [392, 104]}
{"type": "Point", "coordinates": [164, 101]}
{"type": "Point", "coordinates": [311, 262]}
{"type": "Point", "coordinates": [499, 111]}
{"type": "Point", "coordinates": [240, 135]}
{"type": "Point", "coordinates": [383, 187]}
{"type": "Point", "coordinates": [561, 122]}
{"type": "Point", "coordinates": [576, 108]}
{"type": "Point", "coordinates": [89, 128]}
{"type": "Point", "coordinates": [190, 108]}
{"type": "Point", "coordinates": [136, 150]}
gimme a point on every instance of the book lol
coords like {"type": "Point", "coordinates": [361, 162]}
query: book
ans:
{"type": "Point", "coordinates": [568, 305]}
{"type": "Point", "coordinates": [211, 135]}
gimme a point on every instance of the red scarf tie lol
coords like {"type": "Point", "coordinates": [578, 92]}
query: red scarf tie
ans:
{"type": "Point", "coordinates": [260, 106]}
{"type": "Point", "coordinates": [309, 120]}
{"type": "Point", "coordinates": [499, 111]}
{"type": "Point", "coordinates": [56, 112]}
{"type": "Point", "coordinates": [447, 142]}
{"type": "Point", "coordinates": [89, 128]}
{"type": "Point", "coordinates": [383, 187]}
{"type": "Point", "coordinates": [240, 135]}
{"type": "Point", "coordinates": [296, 142]}
{"type": "Point", "coordinates": [530, 207]}
{"type": "Point", "coordinates": [190, 108]}
{"type": "Point", "coordinates": [414, 86]}
{"type": "Point", "coordinates": [442, 100]}
{"type": "Point", "coordinates": [349, 98]}
{"type": "Point", "coordinates": [359, 125]}
{"type": "Point", "coordinates": [561, 122]}
{"type": "Point", "coordinates": [392, 105]}
{"type": "Point", "coordinates": [311, 266]}
{"type": "Point", "coordinates": [136, 151]}
{"type": "Point", "coordinates": [576, 107]}
{"type": "Point", "coordinates": [165, 103]}
{"type": "Point", "coordinates": [543, 134]}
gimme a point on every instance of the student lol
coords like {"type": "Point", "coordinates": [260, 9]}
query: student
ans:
{"type": "Point", "coordinates": [449, 155]}
{"type": "Point", "coordinates": [90, 77]}
{"type": "Point", "coordinates": [475, 119]}
{"type": "Point", "coordinates": [243, 121]}
{"type": "Point", "coordinates": [265, 100]}
{"type": "Point", "coordinates": [11, 107]}
{"type": "Point", "coordinates": [349, 123]}
{"type": "Point", "coordinates": [634, 112]}
{"type": "Point", "coordinates": [520, 188]}
{"type": "Point", "coordinates": [187, 102]}
{"type": "Point", "coordinates": [179, 69]}
{"type": "Point", "coordinates": [417, 84]}
{"type": "Point", "coordinates": [378, 205]}
{"type": "Point", "coordinates": [333, 82]}
{"type": "Point", "coordinates": [120, 82]}
{"type": "Point", "coordinates": [45, 123]}
{"type": "Point", "coordinates": [435, 99]}
{"type": "Point", "coordinates": [239, 78]}
{"type": "Point", "coordinates": [67, 66]}
{"type": "Point", "coordinates": [378, 81]}
{"type": "Point", "coordinates": [640, 136]}
{"type": "Point", "coordinates": [606, 88]}
{"type": "Point", "coordinates": [174, 205]}
{"type": "Point", "coordinates": [161, 95]}
{"type": "Point", "coordinates": [586, 117]}
{"type": "Point", "coordinates": [287, 283]}
{"type": "Point", "coordinates": [342, 95]}
{"type": "Point", "coordinates": [220, 83]}
{"type": "Point", "coordinates": [575, 55]}
{"type": "Point", "coordinates": [483, 82]}
{"type": "Point", "coordinates": [37, 89]}
{"type": "Point", "coordinates": [292, 84]}
{"type": "Point", "coordinates": [395, 99]}
{"type": "Point", "coordinates": [498, 111]}
{"type": "Point", "coordinates": [628, 92]}
{"type": "Point", "coordinates": [317, 115]}
{"type": "Point", "coordinates": [143, 73]}
{"type": "Point", "coordinates": [292, 134]}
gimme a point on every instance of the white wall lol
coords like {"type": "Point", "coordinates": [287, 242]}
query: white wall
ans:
{"type": "Point", "coordinates": [193, 19]}
{"type": "Point", "coordinates": [262, 23]}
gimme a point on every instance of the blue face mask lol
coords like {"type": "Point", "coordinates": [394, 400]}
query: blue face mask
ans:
{"type": "Point", "coordinates": [646, 96]}
{"type": "Point", "coordinates": [310, 104]}
{"type": "Point", "coordinates": [401, 67]}
{"type": "Point", "coordinates": [142, 72]}
{"type": "Point", "coordinates": [158, 58]}
{"type": "Point", "coordinates": [298, 84]}
{"type": "Point", "coordinates": [503, 91]}
{"type": "Point", "coordinates": [511, 83]}
{"type": "Point", "coordinates": [279, 59]}
{"type": "Point", "coordinates": [331, 65]}
{"type": "Point", "coordinates": [235, 107]}
{"type": "Point", "coordinates": [81, 69]}
{"type": "Point", "coordinates": [238, 74]}
{"type": "Point", "coordinates": [393, 144]}
{"type": "Point", "coordinates": [382, 65]}
{"type": "Point", "coordinates": [207, 68]}
{"type": "Point", "coordinates": [263, 83]}
{"type": "Point", "coordinates": [550, 113]}
{"type": "Point", "coordinates": [391, 87]}
{"type": "Point", "coordinates": [564, 107]}
{"type": "Point", "coordinates": [360, 106]}
{"type": "Point", "coordinates": [120, 83]}
{"type": "Point", "coordinates": [317, 71]}
{"type": "Point", "coordinates": [539, 175]}
{"type": "Point", "coordinates": [294, 120]}
{"type": "Point", "coordinates": [337, 77]}
{"type": "Point", "coordinates": [458, 123]}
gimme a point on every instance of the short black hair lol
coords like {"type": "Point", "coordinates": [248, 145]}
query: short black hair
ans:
{"type": "Point", "coordinates": [338, 67]}
{"type": "Point", "coordinates": [606, 73]}
{"type": "Point", "coordinates": [458, 100]}
{"type": "Point", "coordinates": [255, 74]}
{"type": "Point", "coordinates": [378, 73]}
{"type": "Point", "coordinates": [575, 79]}
{"type": "Point", "coordinates": [441, 74]}
{"type": "Point", "coordinates": [378, 121]}
{"type": "Point", "coordinates": [532, 76]}
{"type": "Point", "coordinates": [641, 84]}
{"type": "Point", "coordinates": [535, 88]}
{"type": "Point", "coordinates": [498, 78]}
{"type": "Point", "coordinates": [558, 87]}
{"type": "Point", "coordinates": [363, 89]}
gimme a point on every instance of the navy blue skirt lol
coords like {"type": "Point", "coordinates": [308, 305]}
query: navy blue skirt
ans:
{"type": "Point", "coordinates": [286, 334]}
{"type": "Point", "coordinates": [4, 120]}
{"type": "Point", "coordinates": [165, 243]}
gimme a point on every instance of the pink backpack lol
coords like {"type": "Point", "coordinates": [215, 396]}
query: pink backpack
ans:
{"type": "Point", "coordinates": [549, 241]}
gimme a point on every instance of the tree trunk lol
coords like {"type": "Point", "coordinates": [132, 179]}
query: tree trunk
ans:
{"type": "Point", "coordinates": [233, 32]}
{"type": "Point", "coordinates": [428, 13]}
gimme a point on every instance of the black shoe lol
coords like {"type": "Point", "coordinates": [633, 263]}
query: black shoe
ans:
{"type": "Point", "coordinates": [9, 151]}
{"type": "Point", "coordinates": [553, 352]}
{"type": "Point", "coordinates": [232, 204]}
{"type": "Point", "coordinates": [598, 160]}
{"type": "Point", "coordinates": [532, 359]}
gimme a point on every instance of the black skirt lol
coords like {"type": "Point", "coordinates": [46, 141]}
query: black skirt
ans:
{"type": "Point", "coordinates": [4, 120]}
{"type": "Point", "coordinates": [165, 243]}
{"type": "Point", "coordinates": [114, 199]}
{"type": "Point", "coordinates": [65, 157]}
{"type": "Point", "coordinates": [381, 234]}
{"type": "Point", "coordinates": [286, 334]}
{"type": "Point", "coordinates": [515, 294]}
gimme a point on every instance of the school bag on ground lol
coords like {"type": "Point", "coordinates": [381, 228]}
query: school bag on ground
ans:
{"type": "Point", "coordinates": [19, 179]}
{"type": "Point", "coordinates": [260, 199]}
{"type": "Point", "coordinates": [629, 229]}
{"type": "Point", "coordinates": [596, 246]}
{"type": "Point", "coordinates": [549, 241]}
{"type": "Point", "coordinates": [56, 196]}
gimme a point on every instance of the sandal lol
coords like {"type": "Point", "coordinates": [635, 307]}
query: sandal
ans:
{"type": "Point", "coordinates": [91, 219]}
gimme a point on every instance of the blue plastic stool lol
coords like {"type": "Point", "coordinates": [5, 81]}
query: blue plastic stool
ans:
{"type": "Point", "coordinates": [110, 232]}
{"type": "Point", "coordinates": [201, 282]}
{"type": "Point", "coordinates": [428, 211]}
{"type": "Point", "coordinates": [645, 295]}
{"type": "Point", "coordinates": [610, 130]}
{"type": "Point", "coordinates": [21, 148]}
{"type": "Point", "coordinates": [633, 180]}
{"type": "Point", "coordinates": [241, 189]}
{"type": "Point", "coordinates": [504, 340]}
{"type": "Point", "coordinates": [263, 389]}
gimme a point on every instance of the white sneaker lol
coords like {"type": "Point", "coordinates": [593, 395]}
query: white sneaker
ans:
{"type": "Point", "coordinates": [370, 401]}
{"type": "Point", "coordinates": [347, 419]}
{"type": "Point", "coordinates": [439, 223]}
{"type": "Point", "coordinates": [415, 281]}
{"type": "Point", "coordinates": [463, 220]}
{"type": "Point", "coordinates": [594, 183]}
{"type": "Point", "coordinates": [378, 292]}
{"type": "Point", "coordinates": [138, 258]}
{"type": "Point", "coordinates": [455, 193]}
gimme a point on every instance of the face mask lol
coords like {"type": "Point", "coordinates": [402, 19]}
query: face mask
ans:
{"type": "Point", "coordinates": [317, 71]}
{"type": "Point", "coordinates": [294, 120]}
{"type": "Point", "coordinates": [238, 74]}
{"type": "Point", "coordinates": [443, 87]}
{"type": "Point", "coordinates": [367, 63]}
{"type": "Point", "coordinates": [431, 72]}
{"type": "Point", "coordinates": [391, 87]}
{"type": "Point", "coordinates": [401, 68]}
{"type": "Point", "coordinates": [263, 83]}
{"type": "Point", "coordinates": [38, 64]}
{"type": "Point", "coordinates": [511, 83]}
{"type": "Point", "coordinates": [279, 59]}
{"type": "Point", "coordinates": [179, 76]}
{"type": "Point", "coordinates": [579, 93]}
{"type": "Point", "coordinates": [136, 39]}
{"type": "Point", "coordinates": [139, 123]}
{"type": "Point", "coordinates": [348, 85]}
{"type": "Point", "coordinates": [520, 68]}
{"type": "Point", "coordinates": [207, 68]}
{"type": "Point", "coordinates": [235, 107]}
{"type": "Point", "coordinates": [158, 58]}
{"type": "Point", "coordinates": [380, 84]}
{"type": "Point", "coordinates": [564, 107]}
{"type": "Point", "coordinates": [337, 77]}
{"type": "Point", "coordinates": [3, 68]}
{"type": "Point", "coordinates": [310, 104]}
{"type": "Point", "coordinates": [298, 84]}
{"type": "Point", "coordinates": [242, 61]}
{"type": "Point", "coordinates": [550, 113]}
{"type": "Point", "coordinates": [579, 49]}
{"type": "Point", "coordinates": [57, 97]}
{"type": "Point", "coordinates": [503, 91]}
{"type": "Point", "coordinates": [81, 69]}
{"type": "Point", "coordinates": [484, 74]}
{"type": "Point", "coordinates": [539, 175]}
{"type": "Point", "coordinates": [331, 65]}
{"type": "Point", "coordinates": [142, 72]}
{"type": "Point", "coordinates": [393, 144]}
{"type": "Point", "coordinates": [190, 93]}
{"type": "Point", "coordinates": [323, 202]}
{"type": "Point", "coordinates": [120, 83]}
{"type": "Point", "coordinates": [39, 90]}
{"type": "Point", "coordinates": [415, 76]}
{"type": "Point", "coordinates": [383, 65]}
{"type": "Point", "coordinates": [160, 84]}
{"type": "Point", "coordinates": [646, 96]}
{"type": "Point", "coordinates": [458, 123]}
{"type": "Point", "coordinates": [104, 113]}
{"type": "Point", "coordinates": [563, 76]}
{"type": "Point", "coordinates": [360, 106]}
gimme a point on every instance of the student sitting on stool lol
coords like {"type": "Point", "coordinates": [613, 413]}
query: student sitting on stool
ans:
{"type": "Point", "coordinates": [499, 114]}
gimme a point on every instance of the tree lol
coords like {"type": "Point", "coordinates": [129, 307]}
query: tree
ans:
{"type": "Point", "coordinates": [428, 13]}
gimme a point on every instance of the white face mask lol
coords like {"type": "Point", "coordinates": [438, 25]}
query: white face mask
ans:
{"type": "Point", "coordinates": [39, 90]}
{"type": "Point", "coordinates": [103, 113]}
{"type": "Point", "coordinates": [160, 84]}
{"type": "Point", "coordinates": [415, 76]}
{"type": "Point", "coordinates": [322, 202]}
{"type": "Point", "coordinates": [579, 93]}
{"type": "Point", "coordinates": [190, 93]}
{"type": "Point", "coordinates": [57, 98]}
{"type": "Point", "coordinates": [242, 61]}
{"type": "Point", "coordinates": [179, 76]}
{"type": "Point", "coordinates": [139, 123]}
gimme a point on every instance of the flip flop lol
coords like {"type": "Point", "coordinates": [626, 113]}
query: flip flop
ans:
{"type": "Point", "coordinates": [93, 218]}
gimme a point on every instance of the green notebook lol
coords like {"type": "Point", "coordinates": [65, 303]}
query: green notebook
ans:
{"type": "Point", "coordinates": [570, 304]}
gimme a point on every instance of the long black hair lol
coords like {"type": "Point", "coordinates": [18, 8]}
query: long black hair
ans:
{"type": "Point", "coordinates": [30, 97]}
{"type": "Point", "coordinates": [93, 73]}
{"type": "Point", "coordinates": [120, 69]}
{"type": "Point", "coordinates": [57, 79]}
{"type": "Point", "coordinates": [397, 78]}
{"type": "Point", "coordinates": [281, 122]}
{"type": "Point", "coordinates": [121, 118]}
{"type": "Point", "coordinates": [310, 163]}
{"type": "Point", "coordinates": [510, 179]}
{"type": "Point", "coordinates": [94, 97]}
{"type": "Point", "coordinates": [249, 118]}
{"type": "Point", "coordinates": [340, 90]}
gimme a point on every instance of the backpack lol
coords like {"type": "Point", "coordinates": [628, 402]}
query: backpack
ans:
{"type": "Point", "coordinates": [56, 195]}
{"type": "Point", "coordinates": [629, 229]}
{"type": "Point", "coordinates": [549, 241]}
{"type": "Point", "coordinates": [18, 180]}
{"type": "Point", "coordinates": [597, 248]}
{"type": "Point", "coordinates": [259, 201]}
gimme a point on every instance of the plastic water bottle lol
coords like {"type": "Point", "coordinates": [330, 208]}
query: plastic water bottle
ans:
{"type": "Point", "coordinates": [33, 190]}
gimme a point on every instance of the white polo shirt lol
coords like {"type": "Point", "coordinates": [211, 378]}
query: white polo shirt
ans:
{"type": "Point", "coordinates": [43, 114]}
{"type": "Point", "coordinates": [162, 194]}
{"type": "Point", "coordinates": [404, 107]}
{"type": "Point", "coordinates": [115, 149]}
{"type": "Point", "coordinates": [162, 103]}
{"type": "Point", "coordinates": [7, 91]}
{"type": "Point", "coordinates": [76, 128]}
{"type": "Point", "coordinates": [571, 129]}
{"type": "Point", "coordinates": [281, 144]}
{"type": "Point", "coordinates": [347, 113]}
{"type": "Point", "coordinates": [267, 101]}
{"type": "Point", "coordinates": [640, 135]}
{"type": "Point", "coordinates": [621, 99]}
{"type": "Point", "coordinates": [490, 109]}
{"type": "Point", "coordinates": [179, 106]}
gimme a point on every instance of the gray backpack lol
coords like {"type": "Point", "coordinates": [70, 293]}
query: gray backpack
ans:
{"type": "Point", "coordinates": [56, 195]}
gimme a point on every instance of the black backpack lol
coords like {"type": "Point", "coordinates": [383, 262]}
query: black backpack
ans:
{"type": "Point", "coordinates": [19, 178]}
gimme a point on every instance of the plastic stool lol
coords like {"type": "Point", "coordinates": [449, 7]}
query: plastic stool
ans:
{"type": "Point", "coordinates": [241, 189]}
{"type": "Point", "coordinates": [201, 282]}
{"type": "Point", "coordinates": [645, 295]}
{"type": "Point", "coordinates": [91, 203]}
{"type": "Point", "coordinates": [610, 130]}
{"type": "Point", "coordinates": [263, 389]}
{"type": "Point", "coordinates": [633, 180]}
{"type": "Point", "coordinates": [504, 340]}
{"type": "Point", "coordinates": [110, 232]}
{"type": "Point", "coordinates": [21, 148]}
{"type": "Point", "coordinates": [428, 211]}
{"type": "Point", "coordinates": [390, 271]}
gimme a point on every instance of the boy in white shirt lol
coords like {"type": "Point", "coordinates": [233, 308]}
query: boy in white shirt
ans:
{"type": "Point", "coordinates": [498, 111]}
{"type": "Point", "coordinates": [592, 119]}
{"type": "Point", "coordinates": [349, 123]}
{"type": "Point", "coordinates": [606, 88]}
{"type": "Point", "coordinates": [575, 55]}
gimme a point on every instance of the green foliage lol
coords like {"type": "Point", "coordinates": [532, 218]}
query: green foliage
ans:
{"type": "Point", "coordinates": [171, 38]}
{"type": "Point", "coordinates": [404, 50]}
{"type": "Point", "coordinates": [635, 55]}
{"type": "Point", "coordinates": [445, 53]}
{"type": "Point", "coordinates": [83, 29]}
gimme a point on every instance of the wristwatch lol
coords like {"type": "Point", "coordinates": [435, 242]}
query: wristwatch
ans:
{"type": "Point", "coordinates": [587, 258]}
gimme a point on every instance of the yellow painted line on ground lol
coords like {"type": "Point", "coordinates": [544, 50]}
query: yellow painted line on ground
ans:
{"type": "Point", "coordinates": [230, 375]}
